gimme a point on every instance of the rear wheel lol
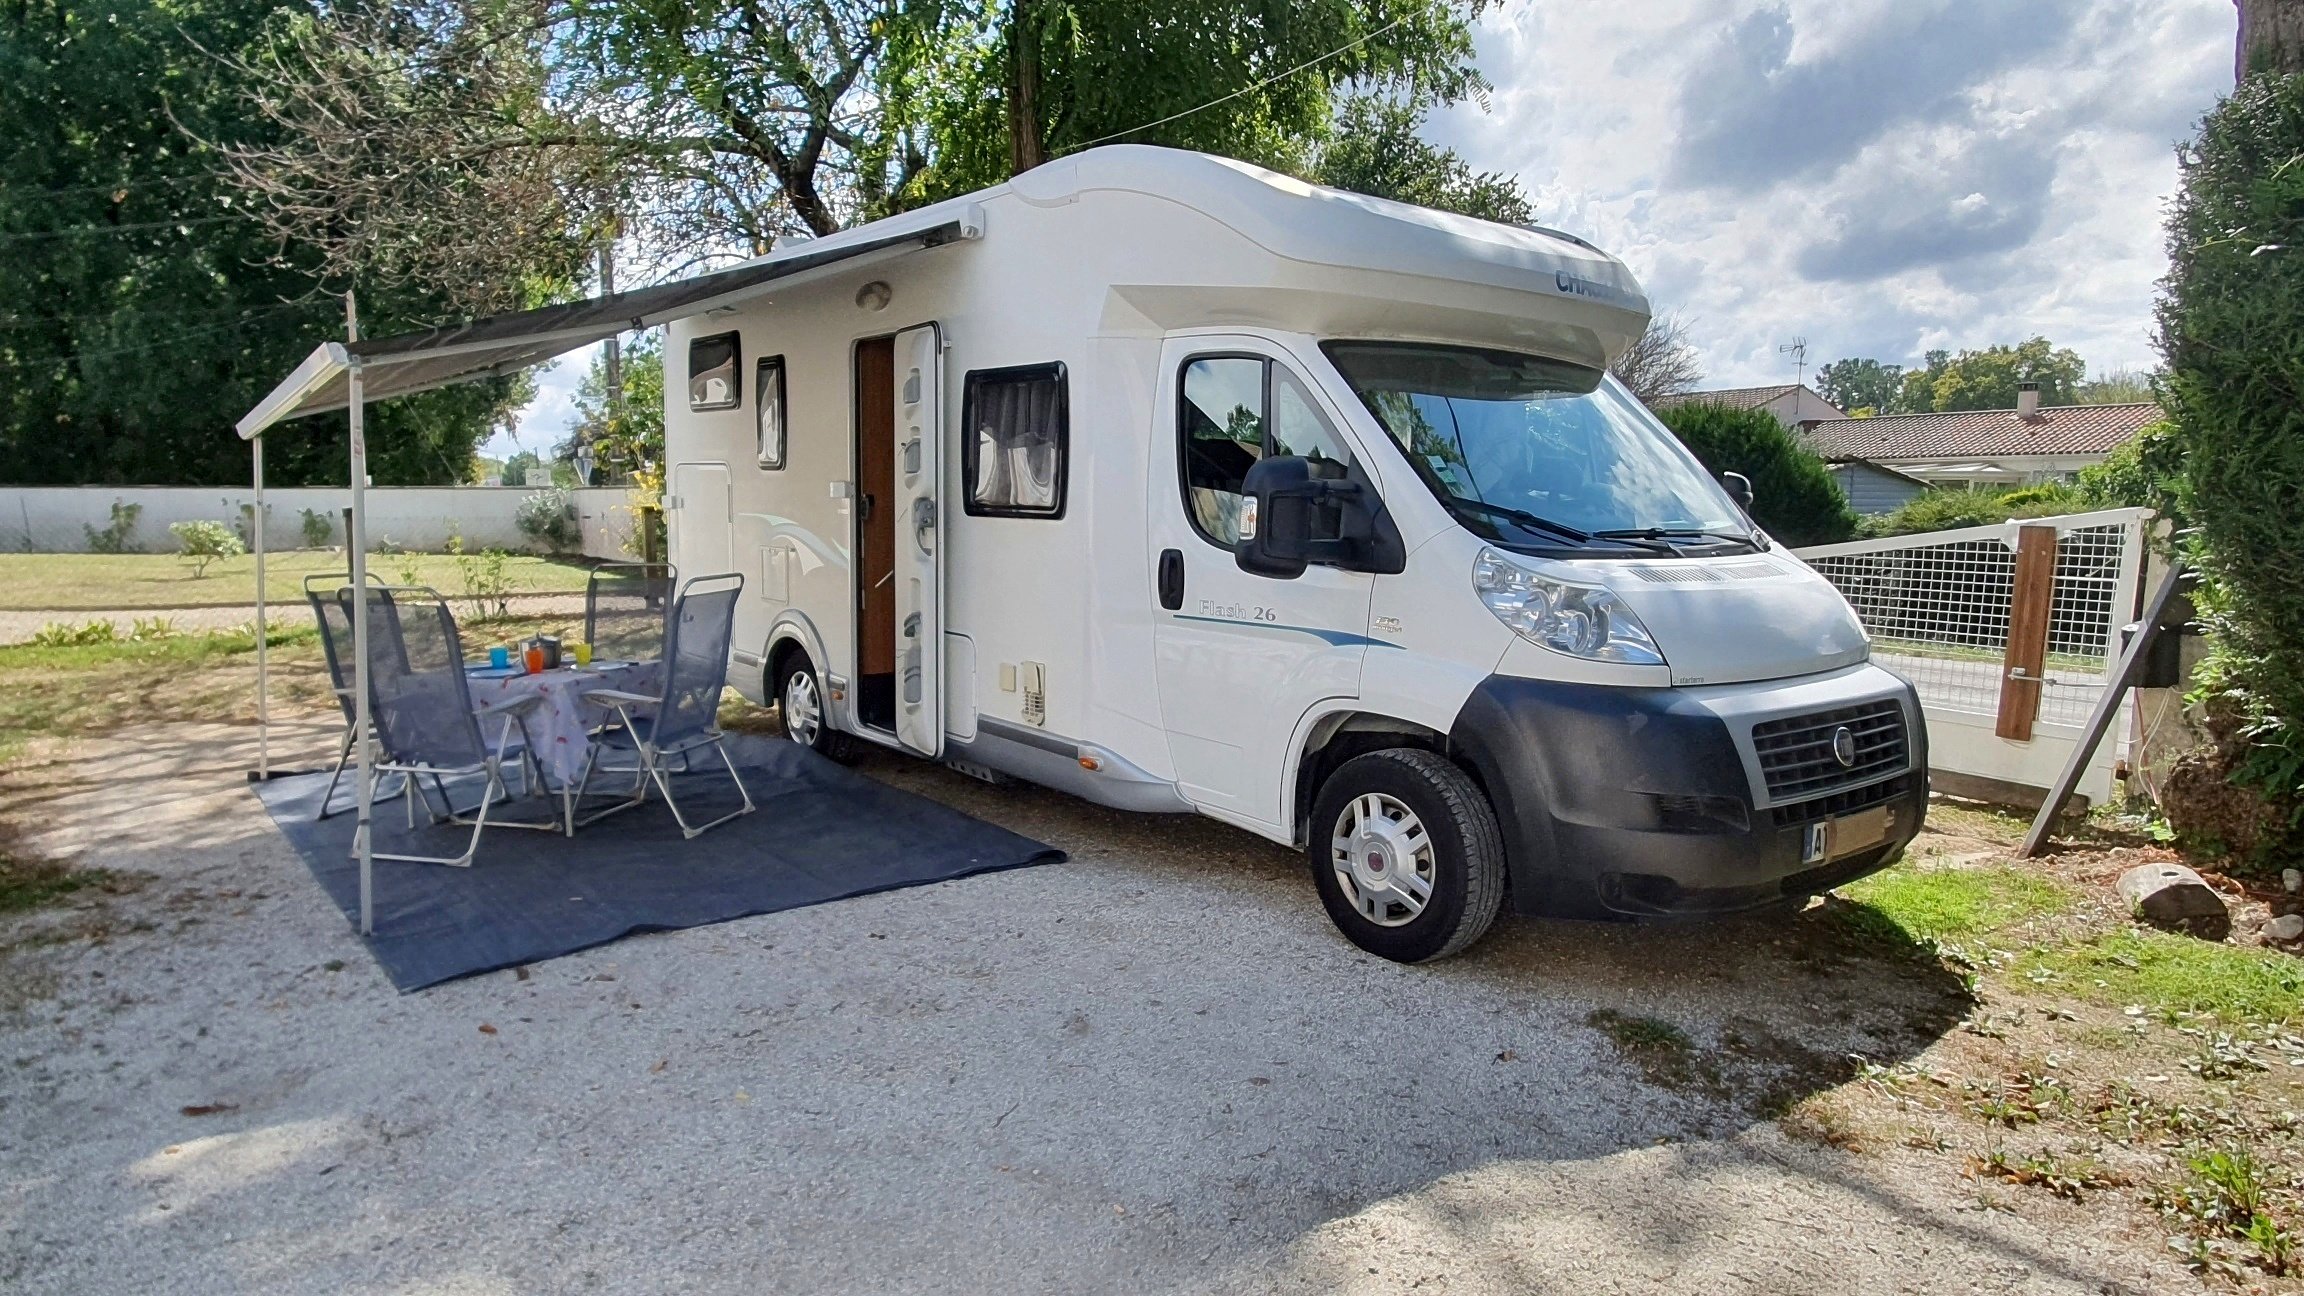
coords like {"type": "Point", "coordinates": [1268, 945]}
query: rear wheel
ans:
{"type": "Point", "coordinates": [1406, 854]}
{"type": "Point", "coordinates": [800, 701]}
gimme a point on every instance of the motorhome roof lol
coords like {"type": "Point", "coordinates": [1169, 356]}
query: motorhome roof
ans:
{"type": "Point", "coordinates": [1330, 235]}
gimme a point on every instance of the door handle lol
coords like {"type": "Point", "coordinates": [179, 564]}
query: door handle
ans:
{"type": "Point", "coordinates": [1172, 579]}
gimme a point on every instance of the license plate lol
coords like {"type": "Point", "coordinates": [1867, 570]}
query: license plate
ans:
{"type": "Point", "coordinates": [1844, 835]}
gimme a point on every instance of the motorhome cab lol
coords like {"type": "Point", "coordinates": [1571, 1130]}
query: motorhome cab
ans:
{"type": "Point", "coordinates": [1183, 486]}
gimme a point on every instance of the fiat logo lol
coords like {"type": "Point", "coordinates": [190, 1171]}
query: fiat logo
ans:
{"type": "Point", "coordinates": [1844, 747]}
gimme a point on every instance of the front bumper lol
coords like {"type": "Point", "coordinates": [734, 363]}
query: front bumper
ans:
{"type": "Point", "coordinates": [1620, 802]}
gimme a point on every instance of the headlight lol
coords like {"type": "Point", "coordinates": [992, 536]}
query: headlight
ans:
{"type": "Point", "coordinates": [1580, 620]}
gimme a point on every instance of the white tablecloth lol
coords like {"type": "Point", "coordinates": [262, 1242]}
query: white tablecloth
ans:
{"type": "Point", "coordinates": [561, 723]}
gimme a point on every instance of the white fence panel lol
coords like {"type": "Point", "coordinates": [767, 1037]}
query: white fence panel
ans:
{"type": "Point", "coordinates": [1937, 608]}
{"type": "Point", "coordinates": [58, 519]}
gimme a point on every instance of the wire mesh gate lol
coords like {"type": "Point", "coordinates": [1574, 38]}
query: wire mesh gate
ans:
{"type": "Point", "coordinates": [1940, 608]}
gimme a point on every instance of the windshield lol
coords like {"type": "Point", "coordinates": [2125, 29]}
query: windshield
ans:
{"type": "Point", "coordinates": [1528, 450]}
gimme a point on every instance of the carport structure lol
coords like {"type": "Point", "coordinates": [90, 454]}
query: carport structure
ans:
{"type": "Point", "coordinates": [348, 375]}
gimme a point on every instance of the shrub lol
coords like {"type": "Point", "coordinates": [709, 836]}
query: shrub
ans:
{"type": "Point", "coordinates": [548, 518]}
{"type": "Point", "coordinates": [202, 542]}
{"type": "Point", "coordinates": [1948, 508]}
{"type": "Point", "coordinates": [118, 537]}
{"type": "Point", "coordinates": [1793, 495]}
{"type": "Point", "coordinates": [2231, 328]}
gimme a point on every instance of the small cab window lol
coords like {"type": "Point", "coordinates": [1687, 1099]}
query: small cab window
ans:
{"type": "Point", "coordinates": [713, 381]}
{"type": "Point", "coordinates": [1236, 410]}
{"type": "Point", "coordinates": [1017, 427]}
{"type": "Point", "coordinates": [768, 395]}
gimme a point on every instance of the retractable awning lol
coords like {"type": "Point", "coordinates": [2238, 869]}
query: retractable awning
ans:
{"type": "Point", "coordinates": [502, 344]}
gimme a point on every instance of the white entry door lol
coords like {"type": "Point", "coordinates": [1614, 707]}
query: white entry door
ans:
{"type": "Point", "coordinates": [919, 382]}
{"type": "Point", "coordinates": [703, 538]}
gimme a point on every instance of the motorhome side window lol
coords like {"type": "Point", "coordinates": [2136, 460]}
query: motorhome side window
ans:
{"type": "Point", "coordinates": [768, 394]}
{"type": "Point", "coordinates": [1236, 410]}
{"type": "Point", "coordinates": [1016, 426]}
{"type": "Point", "coordinates": [713, 383]}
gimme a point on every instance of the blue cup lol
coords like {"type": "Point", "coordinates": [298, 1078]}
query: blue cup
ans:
{"type": "Point", "coordinates": [499, 658]}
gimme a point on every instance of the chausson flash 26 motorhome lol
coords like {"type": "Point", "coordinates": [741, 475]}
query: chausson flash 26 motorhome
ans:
{"type": "Point", "coordinates": [1183, 486]}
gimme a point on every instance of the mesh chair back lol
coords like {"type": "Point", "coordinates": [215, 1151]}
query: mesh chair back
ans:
{"type": "Point", "coordinates": [335, 617]}
{"type": "Point", "coordinates": [696, 657]}
{"type": "Point", "coordinates": [417, 694]}
{"type": "Point", "coordinates": [626, 607]}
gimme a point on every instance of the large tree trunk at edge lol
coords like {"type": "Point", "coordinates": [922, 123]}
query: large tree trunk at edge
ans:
{"type": "Point", "coordinates": [1025, 149]}
{"type": "Point", "coordinates": [2271, 37]}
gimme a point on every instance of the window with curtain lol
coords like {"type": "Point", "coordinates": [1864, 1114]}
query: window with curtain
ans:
{"type": "Point", "coordinates": [1015, 427]}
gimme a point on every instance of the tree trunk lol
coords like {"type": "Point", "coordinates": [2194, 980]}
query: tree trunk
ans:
{"type": "Point", "coordinates": [2271, 37]}
{"type": "Point", "coordinates": [1025, 149]}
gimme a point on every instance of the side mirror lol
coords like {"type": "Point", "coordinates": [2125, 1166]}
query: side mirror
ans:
{"type": "Point", "coordinates": [1739, 489]}
{"type": "Point", "coordinates": [1292, 516]}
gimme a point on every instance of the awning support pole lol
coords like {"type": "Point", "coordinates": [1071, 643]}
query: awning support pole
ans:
{"type": "Point", "coordinates": [263, 665]}
{"type": "Point", "coordinates": [357, 541]}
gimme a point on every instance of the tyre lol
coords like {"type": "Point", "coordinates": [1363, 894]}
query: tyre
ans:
{"type": "Point", "coordinates": [800, 704]}
{"type": "Point", "coordinates": [1406, 853]}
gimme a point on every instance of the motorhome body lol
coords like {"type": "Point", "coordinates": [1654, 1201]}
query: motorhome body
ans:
{"type": "Point", "coordinates": [993, 505]}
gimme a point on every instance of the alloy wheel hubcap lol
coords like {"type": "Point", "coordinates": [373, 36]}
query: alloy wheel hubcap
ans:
{"type": "Point", "coordinates": [1384, 859]}
{"type": "Point", "coordinates": [803, 714]}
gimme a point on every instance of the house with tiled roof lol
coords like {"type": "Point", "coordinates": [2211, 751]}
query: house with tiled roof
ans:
{"type": "Point", "coordinates": [2031, 443]}
{"type": "Point", "coordinates": [1795, 405]}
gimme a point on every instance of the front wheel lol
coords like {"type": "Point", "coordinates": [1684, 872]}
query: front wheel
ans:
{"type": "Point", "coordinates": [800, 703]}
{"type": "Point", "coordinates": [1406, 854]}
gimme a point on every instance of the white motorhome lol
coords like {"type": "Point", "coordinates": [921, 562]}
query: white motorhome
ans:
{"type": "Point", "coordinates": [1184, 486]}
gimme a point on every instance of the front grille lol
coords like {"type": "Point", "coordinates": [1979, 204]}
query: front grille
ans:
{"type": "Point", "coordinates": [1796, 756]}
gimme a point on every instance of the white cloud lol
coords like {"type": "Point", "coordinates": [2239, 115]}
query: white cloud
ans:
{"type": "Point", "coordinates": [1879, 176]}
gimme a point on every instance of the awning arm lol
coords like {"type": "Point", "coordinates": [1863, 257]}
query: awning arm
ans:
{"type": "Point", "coordinates": [327, 362]}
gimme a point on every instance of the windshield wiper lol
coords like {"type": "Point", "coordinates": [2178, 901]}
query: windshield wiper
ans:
{"type": "Point", "coordinates": [1534, 522]}
{"type": "Point", "coordinates": [1668, 533]}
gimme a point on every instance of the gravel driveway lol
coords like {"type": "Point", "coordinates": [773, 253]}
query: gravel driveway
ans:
{"type": "Point", "coordinates": [1155, 1068]}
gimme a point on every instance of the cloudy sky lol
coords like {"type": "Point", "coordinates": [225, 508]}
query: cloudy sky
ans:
{"type": "Point", "coordinates": [1880, 177]}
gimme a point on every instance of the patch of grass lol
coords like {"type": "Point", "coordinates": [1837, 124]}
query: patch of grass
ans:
{"type": "Point", "coordinates": [31, 883]}
{"type": "Point", "coordinates": [117, 582]}
{"type": "Point", "coordinates": [2169, 974]}
{"type": "Point", "coordinates": [1910, 903]}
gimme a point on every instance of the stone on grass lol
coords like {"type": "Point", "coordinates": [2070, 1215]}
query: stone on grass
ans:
{"type": "Point", "coordinates": [2286, 927]}
{"type": "Point", "coordinates": [2175, 897]}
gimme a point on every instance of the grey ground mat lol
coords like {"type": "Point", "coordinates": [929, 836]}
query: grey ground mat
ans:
{"type": "Point", "coordinates": [821, 833]}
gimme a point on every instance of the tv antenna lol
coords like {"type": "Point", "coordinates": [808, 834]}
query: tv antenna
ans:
{"type": "Point", "coordinates": [1797, 348]}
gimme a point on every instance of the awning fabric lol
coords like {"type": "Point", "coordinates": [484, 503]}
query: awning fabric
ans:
{"type": "Point", "coordinates": [503, 344]}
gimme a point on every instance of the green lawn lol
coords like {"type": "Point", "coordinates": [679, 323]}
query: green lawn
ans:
{"type": "Point", "coordinates": [125, 582]}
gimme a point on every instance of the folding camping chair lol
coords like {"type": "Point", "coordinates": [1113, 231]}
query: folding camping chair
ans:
{"type": "Point", "coordinates": [421, 708]}
{"type": "Point", "coordinates": [685, 717]}
{"type": "Point", "coordinates": [625, 609]}
{"type": "Point", "coordinates": [335, 618]}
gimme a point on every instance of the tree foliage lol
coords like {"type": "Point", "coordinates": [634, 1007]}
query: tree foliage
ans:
{"type": "Point", "coordinates": [1858, 384]}
{"type": "Point", "coordinates": [142, 309]}
{"type": "Point", "coordinates": [1660, 362]}
{"type": "Point", "coordinates": [1794, 496]}
{"type": "Point", "coordinates": [2231, 329]}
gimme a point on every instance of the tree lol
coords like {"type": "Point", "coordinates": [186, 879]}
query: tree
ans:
{"type": "Point", "coordinates": [2230, 315]}
{"type": "Point", "coordinates": [1986, 379]}
{"type": "Point", "coordinates": [1793, 495]}
{"type": "Point", "coordinates": [1660, 362]}
{"type": "Point", "coordinates": [996, 89]}
{"type": "Point", "coordinates": [1373, 148]}
{"type": "Point", "coordinates": [1861, 385]}
{"type": "Point", "coordinates": [142, 311]}
{"type": "Point", "coordinates": [622, 438]}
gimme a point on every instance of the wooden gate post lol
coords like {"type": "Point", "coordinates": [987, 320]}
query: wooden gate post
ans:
{"type": "Point", "coordinates": [2025, 664]}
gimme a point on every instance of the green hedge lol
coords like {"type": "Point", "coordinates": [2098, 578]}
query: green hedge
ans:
{"type": "Point", "coordinates": [2231, 325]}
{"type": "Point", "coordinates": [1794, 496]}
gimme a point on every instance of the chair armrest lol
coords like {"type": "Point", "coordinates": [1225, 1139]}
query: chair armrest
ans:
{"type": "Point", "coordinates": [508, 706]}
{"type": "Point", "coordinates": [605, 696]}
